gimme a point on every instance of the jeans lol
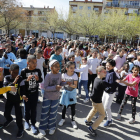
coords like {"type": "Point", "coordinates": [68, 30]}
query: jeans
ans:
{"type": "Point", "coordinates": [42, 92]}
{"type": "Point", "coordinates": [85, 84]}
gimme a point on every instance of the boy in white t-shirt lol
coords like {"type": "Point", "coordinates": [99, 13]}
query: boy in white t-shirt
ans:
{"type": "Point", "coordinates": [83, 80]}
{"type": "Point", "coordinates": [78, 59]}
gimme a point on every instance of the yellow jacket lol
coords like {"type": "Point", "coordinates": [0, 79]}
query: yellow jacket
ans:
{"type": "Point", "coordinates": [4, 90]}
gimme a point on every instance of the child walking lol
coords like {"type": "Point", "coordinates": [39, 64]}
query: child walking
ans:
{"type": "Point", "coordinates": [32, 77]}
{"type": "Point", "coordinates": [68, 97]}
{"type": "Point", "coordinates": [109, 95]}
{"type": "Point", "coordinates": [40, 65]}
{"type": "Point", "coordinates": [96, 98]}
{"type": "Point", "coordinates": [121, 86]}
{"type": "Point", "coordinates": [83, 80]}
{"type": "Point", "coordinates": [52, 86]}
{"type": "Point", "coordinates": [131, 92]}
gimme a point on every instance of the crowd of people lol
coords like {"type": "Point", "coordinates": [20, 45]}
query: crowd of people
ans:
{"type": "Point", "coordinates": [29, 65]}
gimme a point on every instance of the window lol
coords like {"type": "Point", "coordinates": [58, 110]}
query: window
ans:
{"type": "Point", "coordinates": [80, 7]}
{"type": "Point", "coordinates": [134, 3]}
{"type": "Point", "coordinates": [89, 7]}
{"type": "Point", "coordinates": [96, 9]}
{"type": "Point", "coordinates": [74, 8]}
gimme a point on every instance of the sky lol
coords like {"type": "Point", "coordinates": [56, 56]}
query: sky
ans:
{"type": "Point", "coordinates": [59, 4]}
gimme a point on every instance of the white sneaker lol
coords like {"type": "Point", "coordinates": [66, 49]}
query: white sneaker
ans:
{"type": "Point", "coordinates": [51, 131]}
{"type": "Point", "coordinates": [86, 100]}
{"type": "Point", "coordinates": [42, 132]}
{"type": "Point", "coordinates": [74, 125]}
{"type": "Point", "coordinates": [61, 122]}
{"type": "Point", "coordinates": [131, 121]}
{"type": "Point", "coordinates": [78, 95]}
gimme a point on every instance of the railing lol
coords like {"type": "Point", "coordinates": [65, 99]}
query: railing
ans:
{"type": "Point", "coordinates": [122, 6]}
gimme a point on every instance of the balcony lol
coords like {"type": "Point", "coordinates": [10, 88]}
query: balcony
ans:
{"type": "Point", "coordinates": [110, 4]}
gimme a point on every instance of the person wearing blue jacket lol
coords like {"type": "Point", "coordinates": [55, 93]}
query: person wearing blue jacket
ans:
{"type": "Point", "coordinates": [10, 56]}
{"type": "Point", "coordinates": [3, 57]}
{"type": "Point", "coordinates": [57, 56]}
{"type": "Point", "coordinates": [109, 94]}
{"type": "Point", "coordinates": [22, 61]}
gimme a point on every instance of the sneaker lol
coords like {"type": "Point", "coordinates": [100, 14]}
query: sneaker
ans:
{"type": "Point", "coordinates": [107, 123]}
{"type": "Point", "coordinates": [34, 129]}
{"type": "Point", "coordinates": [51, 131]}
{"type": "Point", "coordinates": [119, 117]}
{"type": "Point", "coordinates": [78, 95]}
{"type": "Point", "coordinates": [88, 123]}
{"type": "Point", "coordinates": [20, 133]}
{"type": "Point", "coordinates": [86, 100]}
{"type": "Point", "coordinates": [96, 117]}
{"type": "Point", "coordinates": [22, 104]}
{"type": "Point", "coordinates": [26, 126]}
{"type": "Point", "coordinates": [42, 132]}
{"type": "Point", "coordinates": [7, 123]}
{"type": "Point", "coordinates": [131, 121]}
{"type": "Point", "coordinates": [74, 125]}
{"type": "Point", "coordinates": [92, 131]}
{"type": "Point", "coordinates": [61, 122]}
{"type": "Point", "coordinates": [1, 126]}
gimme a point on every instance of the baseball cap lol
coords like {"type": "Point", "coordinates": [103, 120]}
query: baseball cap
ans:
{"type": "Point", "coordinates": [130, 56]}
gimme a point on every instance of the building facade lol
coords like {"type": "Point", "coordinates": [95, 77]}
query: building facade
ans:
{"type": "Point", "coordinates": [32, 13]}
{"type": "Point", "coordinates": [130, 6]}
{"type": "Point", "coordinates": [85, 5]}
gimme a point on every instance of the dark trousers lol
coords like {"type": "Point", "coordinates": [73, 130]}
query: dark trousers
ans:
{"type": "Point", "coordinates": [133, 104]}
{"type": "Point", "coordinates": [121, 92]}
{"type": "Point", "coordinates": [72, 111]}
{"type": "Point", "coordinates": [45, 69]}
{"type": "Point", "coordinates": [6, 72]}
{"type": "Point", "coordinates": [7, 114]}
{"type": "Point", "coordinates": [91, 79]}
{"type": "Point", "coordinates": [30, 108]}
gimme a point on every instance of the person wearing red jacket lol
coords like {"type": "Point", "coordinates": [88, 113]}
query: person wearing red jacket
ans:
{"type": "Point", "coordinates": [47, 55]}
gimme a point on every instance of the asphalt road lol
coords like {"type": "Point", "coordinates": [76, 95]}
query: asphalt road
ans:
{"type": "Point", "coordinates": [120, 130]}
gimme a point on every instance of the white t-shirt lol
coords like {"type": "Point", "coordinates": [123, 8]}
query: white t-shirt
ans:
{"type": "Point", "coordinates": [93, 63]}
{"type": "Point", "coordinates": [71, 52]}
{"type": "Point", "coordinates": [40, 65]}
{"type": "Point", "coordinates": [105, 54]}
{"type": "Point", "coordinates": [121, 74]}
{"type": "Point", "coordinates": [65, 52]}
{"type": "Point", "coordinates": [83, 72]}
{"type": "Point", "coordinates": [78, 59]}
{"type": "Point", "coordinates": [71, 79]}
{"type": "Point", "coordinates": [136, 62]}
{"type": "Point", "coordinates": [100, 60]}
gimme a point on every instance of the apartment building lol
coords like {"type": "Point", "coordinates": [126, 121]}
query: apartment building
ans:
{"type": "Point", "coordinates": [130, 6]}
{"type": "Point", "coordinates": [86, 5]}
{"type": "Point", "coordinates": [35, 12]}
